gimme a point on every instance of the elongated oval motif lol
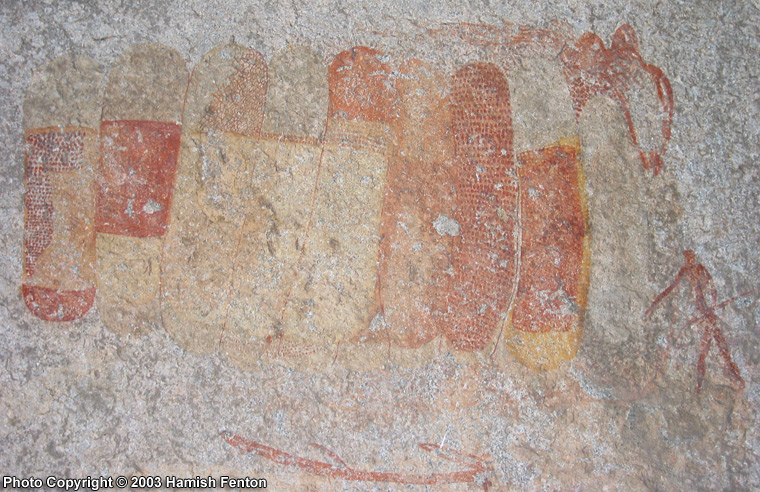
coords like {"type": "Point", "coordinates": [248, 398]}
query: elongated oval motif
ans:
{"type": "Point", "coordinates": [487, 207]}
{"type": "Point", "coordinates": [213, 200]}
{"type": "Point", "coordinates": [139, 147]}
{"type": "Point", "coordinates": [61, 118]}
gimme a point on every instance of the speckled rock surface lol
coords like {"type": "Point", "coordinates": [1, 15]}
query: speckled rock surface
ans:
{"type": "Point", "coordinates": [624, 413]}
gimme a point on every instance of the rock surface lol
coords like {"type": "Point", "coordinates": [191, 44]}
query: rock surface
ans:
{"type": "Point", "coordinates": [629, 411]}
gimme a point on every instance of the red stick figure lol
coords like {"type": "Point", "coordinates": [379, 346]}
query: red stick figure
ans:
{"type": "Point", "coordinates": [702, 283]}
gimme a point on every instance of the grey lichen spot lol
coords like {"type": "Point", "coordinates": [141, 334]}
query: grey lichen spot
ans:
{"type": "Point", "coordinates": [377, 323]}
{"type": "Point", "coordinates": [445, 225]}
{"type": "Point", "coordinates": [152, 207]}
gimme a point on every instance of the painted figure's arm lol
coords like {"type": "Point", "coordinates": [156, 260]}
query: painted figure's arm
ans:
{"type": "Point", "coordinates": [662, 295]}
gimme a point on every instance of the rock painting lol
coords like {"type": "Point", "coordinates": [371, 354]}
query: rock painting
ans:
{"type": "Point", "coordinates": [139, 147]}
{"type": "Point", "coordinates": [213, 198]}
{"type": "Point", "coordinates": [472, 469]}
{"type": "Point", "coordinates": [707, 305]}
{"type": "Point", "coordinates": [487, 195]}
{"type": "Point", "coordinates": [417, 226]}
{"type": "Point", "coordinates": [333, 296]}
{"type": "Point", "coordinates": [353, 211]}
{"type": "Point", "coordinates": [61, 139]}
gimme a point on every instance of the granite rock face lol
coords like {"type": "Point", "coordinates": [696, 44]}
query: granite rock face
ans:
{"type": "Point", "coordinates": [384, 247]}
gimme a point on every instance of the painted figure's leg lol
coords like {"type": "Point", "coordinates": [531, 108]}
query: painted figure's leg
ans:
{"type": "Point", "coordinates": [139, 145]}
{"type": "Point", "coordinates": [282, 193]}
{"type": "Point", "coordinates": [214, 195]}
{"type": "Point", "coordinates": [485, 251]}
{"type": "Point", "coordinates": [704, 349]}
{"type": "Point", "coordinates": [417, 223]}
{"type": "Point", "coordinates": [61, 117]}
{"type": "Point", "coordinates": [334, 294]}
{"type": "Point", "coordinates": [546, 320]}
{"type": "Point", "coordinates": [720, 341]}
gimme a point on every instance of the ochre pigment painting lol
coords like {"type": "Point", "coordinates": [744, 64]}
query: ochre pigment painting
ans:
{"type": "Point", "coordinates": [364, 209]}
{"type": "Point", "coordinates": [315, 212]}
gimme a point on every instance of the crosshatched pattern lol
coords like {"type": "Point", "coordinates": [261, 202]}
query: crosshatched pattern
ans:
{"type": "Point", "coordinates": [59, 243]}
{"type": "Point", "coordinates": [46, 152]}
{"type": "Point", "coordinates": [238, 106]}
{"type": "Point", "coordinates": [487, 200]}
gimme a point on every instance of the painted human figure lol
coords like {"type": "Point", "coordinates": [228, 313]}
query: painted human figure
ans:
{"type": "Point", "coordinates": [704, 291]}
